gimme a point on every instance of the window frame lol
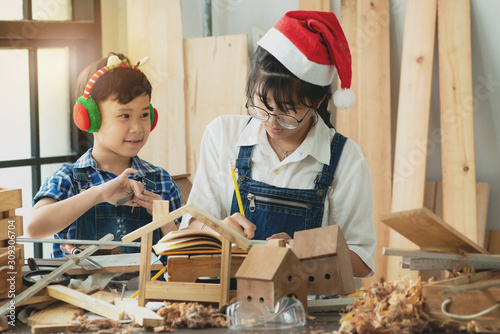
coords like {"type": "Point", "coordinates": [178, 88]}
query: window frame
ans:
{"type": "Point", "coordinates": [83, 37]}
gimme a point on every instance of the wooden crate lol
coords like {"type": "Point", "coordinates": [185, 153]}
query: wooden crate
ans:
{"type": "Point", "coordinates": [10, 199]}
{"type": "Point", "coordinates": [469, 295]}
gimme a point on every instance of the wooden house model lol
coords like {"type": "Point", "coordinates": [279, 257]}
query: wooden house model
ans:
{"type": "Point", "coordinates": [270, 273]}
{"type": "Point", "coordinates": [326, 257]}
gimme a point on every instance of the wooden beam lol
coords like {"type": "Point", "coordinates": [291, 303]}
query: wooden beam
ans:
{"type": "Point", "coordinates": [10, 199]}
{"type": "Point", "coordinates": [412, 131]}
{"type": "Point", "coordinates": [457, 116]}
{"type": "Point", "coordinates": [86, 302]}
{"type": "Point", "coordinates": [182, 291]}
{"type": "Point", "coordinates": [56, 328]}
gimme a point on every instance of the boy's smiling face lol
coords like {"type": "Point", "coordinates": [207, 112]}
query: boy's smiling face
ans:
{"type": "Point", "coordinates": [125, 127]}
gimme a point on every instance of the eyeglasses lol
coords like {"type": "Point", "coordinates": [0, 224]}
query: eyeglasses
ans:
{"type": "Point", "coordinates": [285, 120]}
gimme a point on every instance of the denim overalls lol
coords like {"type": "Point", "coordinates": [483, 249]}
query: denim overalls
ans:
{"type": "Point", "coordinates": [106, 218]}
{"type": "Point", "coordinates": [274, 209]}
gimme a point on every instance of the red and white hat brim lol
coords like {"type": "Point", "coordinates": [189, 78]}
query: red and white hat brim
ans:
{"type": "Point", "coordinates": [294, 60]}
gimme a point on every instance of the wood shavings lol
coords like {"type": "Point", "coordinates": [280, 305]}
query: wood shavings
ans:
{"type": "Point", "coordinates": [104, 326]}
{"type": "Point", "coordinates": [390, 307]}
{"type": "Point", "coordinates": [191, 315]}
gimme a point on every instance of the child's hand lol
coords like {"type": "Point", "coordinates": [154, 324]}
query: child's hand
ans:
{"type": "Point", "coordinates": [120, 187]}
{"type": "Point", "coordinates": [240, 224]}
{"type": "Point", "coordinates": [145, 199]}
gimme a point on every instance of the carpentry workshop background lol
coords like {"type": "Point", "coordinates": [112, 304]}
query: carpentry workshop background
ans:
{"type": "Point", "coordinates": [425, 73]}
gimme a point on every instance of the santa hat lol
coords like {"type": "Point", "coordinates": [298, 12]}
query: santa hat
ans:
{"type": "Point", "coordinates": [311, 44]}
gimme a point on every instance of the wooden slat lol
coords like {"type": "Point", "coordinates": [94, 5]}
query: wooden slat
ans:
{"type": "Point", "coordinates": [430, 232]}
{"type": "Point", "coordinates": [157, 33]}
{"type": "Point", "coordinates": [56, 328]}
{"type": "Point", "coordinates": [183, 291]}
{"type": "Point", "coordinates": [493, 241]}
{"type": "Point", "coordinates": [347, 121]}
{"type": "Point", "coordinates": [482, 197]}
{"type": "Point", "coordinates": [189, 268]}
{"type": "Point", "coordinates": [374, 106]}
{"type": "Point", "coordinates": [413, 116]}
{"type": "Point", "coordinates": [457, 117]}
{"type": "Point", "coordinates": [323, 5]}
{"type": "Point", "coordinates": [86, 302]}
{"type": "Point", "coordinates": [225, 272]}
{"type": "Point", "coordinates": [58, 313]}
{"type": "Point", "coordinates": [212, 65]}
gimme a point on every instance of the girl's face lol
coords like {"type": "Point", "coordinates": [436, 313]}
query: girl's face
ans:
{"type": "Point", "coordinates": [124, 128]}
{"type": "Point", "coordinates": [275, 130]}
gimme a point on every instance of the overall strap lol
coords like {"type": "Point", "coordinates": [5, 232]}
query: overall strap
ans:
{"type": "Point", "coordinates": [324, 178]}
{"type": "Point", "coordinates": [81, 177]}
{"type": "Point", "coordinates": [243, 163]}
{"type": "Point", "coordinates": [149, 181]}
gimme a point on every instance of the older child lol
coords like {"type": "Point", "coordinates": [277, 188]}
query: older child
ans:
{"type": "Point", "coordinates": [79, 200]}
{"type": "Point", "coordinates": [295, 171]}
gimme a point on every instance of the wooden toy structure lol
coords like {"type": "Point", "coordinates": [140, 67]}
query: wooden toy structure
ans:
{"type": "Point", "coordinates": [11, 227]}
{"type": "Point", "coordinates": [185, 291]}
{"type": "Point", "coordinates": [326, 258]}
{"type": "Point", "coordinates": [270, 273]}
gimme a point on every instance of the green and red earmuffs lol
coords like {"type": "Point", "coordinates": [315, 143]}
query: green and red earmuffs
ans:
{"type": "Point", "coordinates": [86, 114]}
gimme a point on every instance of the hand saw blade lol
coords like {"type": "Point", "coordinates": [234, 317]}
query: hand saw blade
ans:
{"type": "Point", "coordinates": [124, 200]}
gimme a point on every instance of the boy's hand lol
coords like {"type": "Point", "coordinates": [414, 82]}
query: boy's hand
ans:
{"type": "Point", "coordinates": [120, 187]}
{"type": "Point", "coordinates": [145, 199]}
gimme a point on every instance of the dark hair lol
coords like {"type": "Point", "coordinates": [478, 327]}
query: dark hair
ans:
{"type": "Point", "coordinates": [269, 76]}
{"type": "Point", "coordinates": [122, 84]}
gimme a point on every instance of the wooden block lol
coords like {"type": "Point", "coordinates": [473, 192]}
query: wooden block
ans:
{"type": "Point", "coordinates": [276, 243]}
{"type": "Point", "coordinates": [11, 268]}
{"type": "Point", "coordinates": [181, 291]}
{"type": "Point", "coordinates": [106, 296]}
{"type": "Point", "coordinates": [410, 156]}
{"type": "Point", "coordinates": [208, 63]}
{"type": "Point", "coordinates": [158, 34]}
{"type": "Point", "coordinates": [140, 315]}
{"type": "Point", "coordinates": [430, 232]}
{"type": "Point", "coordinates": [66, 328]}
{"type": "Point", "coordinates": [11, 227]}
{"type": "Point", "coordinates": [482, 196]}
{"type": "Point", "coordinates": [58, 313]}
{"type": "Point", "coordinates": [85, 301]}
{"type": "Point", "coordinates": [188, 269]}
{"type": "Point", "coordinates": [457, 117]}
{"type": "Point", "coordinates": [7, 214]}
{"type": "Point", "coordinates": [10, 199]}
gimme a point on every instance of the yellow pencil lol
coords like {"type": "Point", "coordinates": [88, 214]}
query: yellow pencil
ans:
{"type": "Point", "coordinates": [236, 189]}
{"type": "Point", "coordinates": [152, 279]}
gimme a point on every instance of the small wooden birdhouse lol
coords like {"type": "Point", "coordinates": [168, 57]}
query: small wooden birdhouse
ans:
{"type": "Point", "coordinates": [326, 257]}
{"type": "Point", "coordinates": [270, 273]}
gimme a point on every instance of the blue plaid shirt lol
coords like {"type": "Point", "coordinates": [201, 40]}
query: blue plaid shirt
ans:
{"type": "Point", "coordinates": [61, 185]}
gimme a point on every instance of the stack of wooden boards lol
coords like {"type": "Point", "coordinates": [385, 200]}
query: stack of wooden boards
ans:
{"type": "Point", "coordinates": [11, 254]}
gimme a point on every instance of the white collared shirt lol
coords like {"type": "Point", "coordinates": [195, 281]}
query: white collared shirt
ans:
{"type": "Point", "coordinates": [348, 203]}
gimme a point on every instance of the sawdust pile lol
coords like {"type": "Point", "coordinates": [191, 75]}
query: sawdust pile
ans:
{"type": "Point", "coordinates": [104, 326]}
{"type": "Point", "coordinates": [390, 307]}
{"type": "Point", "coordinates": [191, 315]}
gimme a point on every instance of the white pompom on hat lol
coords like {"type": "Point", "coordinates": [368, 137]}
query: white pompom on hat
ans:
{"type": "Point", "coordinates": [311, 45]}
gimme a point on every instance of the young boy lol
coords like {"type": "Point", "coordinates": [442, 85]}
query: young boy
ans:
{"type": "Point", "coordinates": [79, 200]}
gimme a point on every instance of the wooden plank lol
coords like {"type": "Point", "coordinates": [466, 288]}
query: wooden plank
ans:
{"type": "Point", "coordinates": [209, 62]}
{"type": "Point", "coordinates": [493, 243]}
{"type": "Point", "coordinates": [58, 313]}
{"type": "Point", "coordinates": [457, 117]}
{"type": "Point", "coordinates": [323, 5]}
{"type": "Point", "coordinates": [56, 328]}
{"type": "Point", "coordinates": [430, 232]}
{"type": "Point", "coordinates": [10, 199]}
{"type": "Point", "coordinates": [374, 119]}
{"type": "Point", "coordinates": [347, 121]}
{"type": "Point", "coordinates": [11, 227]}
{"type": "Point", "coordinates": [106, 296]}
{"type": "Point", "coordinates": [182, 291]}
{"type": "Point", "coordinates": [157, 33]}
{"type": "Point", "coordinates": [413, 117]}
{"type": "Point", "coordinates": [140, 315]}
{"type": "Point", "coordinates": [225, 272]}
{"type": "Point", "coordinates": [86, 302]}
{"type": "Point", "coordinates": [50, 277]}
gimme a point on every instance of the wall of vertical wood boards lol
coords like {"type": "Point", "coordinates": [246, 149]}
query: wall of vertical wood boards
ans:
{"type": "Point", "coordinates": [368, 122]}
{"type": "Point", "coordinates": [155, 29]}
{"type": "Point", "coordinates": [457, 117]}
